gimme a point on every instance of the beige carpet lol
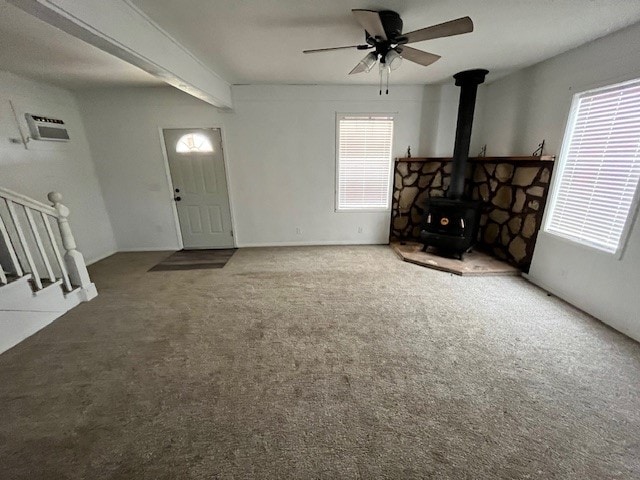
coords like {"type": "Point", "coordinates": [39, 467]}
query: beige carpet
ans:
{"type": "Point", "coordinates": [329, 362]}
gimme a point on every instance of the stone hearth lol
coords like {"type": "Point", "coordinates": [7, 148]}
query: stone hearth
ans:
{"type": "Point", "coordinates": [513, 192]}
{"type": "Point", "coordinates": [475, 263]}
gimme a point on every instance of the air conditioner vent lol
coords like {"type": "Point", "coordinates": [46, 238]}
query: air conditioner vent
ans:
{"type": "Point", "coordinates": [46, 128]}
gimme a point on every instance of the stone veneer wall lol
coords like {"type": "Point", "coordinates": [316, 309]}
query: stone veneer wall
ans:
{"type": "Point", "coordinates": [513, 192]}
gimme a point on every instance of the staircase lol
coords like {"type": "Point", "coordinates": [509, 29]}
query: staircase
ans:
{"type": "Point", "coordinates": [38, 283]}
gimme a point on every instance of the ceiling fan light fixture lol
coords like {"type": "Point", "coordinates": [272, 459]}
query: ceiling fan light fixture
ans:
{"type": "Point", "coordinates": [383, 32]}
{"type": "Point", "coordinates": [369, 61]}
{"type": "Point", "coordinates": [392, 59]}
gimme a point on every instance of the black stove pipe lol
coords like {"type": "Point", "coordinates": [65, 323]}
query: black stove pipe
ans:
{"type": "Point", "coordinates": [468, 82]}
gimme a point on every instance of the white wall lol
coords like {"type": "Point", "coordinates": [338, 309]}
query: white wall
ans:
{"type": "Point", "coordinates": [439, 119]}
{"type": "Point", "coordinates": [280, 150]}
{"type": "Point", "coordinates": [46, 166]}
{"type": "Point", "coordinates": [283, 159]}
{"type": "Point", "coordinates": [50, 166]}
{"type": "Point", "coordinates": [122, 127]}
{"type": "Point", "coordinates": [533, 104]}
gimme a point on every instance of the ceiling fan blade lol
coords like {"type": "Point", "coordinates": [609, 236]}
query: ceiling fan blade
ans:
{"type": "Point", "coordinates": [418, 56]}
{"type": "Point", "coordinates": [446, 29]}
{"type": "Point", "coordinates": [359, 68]}
{"type": "Point", "coordinates": [359, 47]}
{"type": "Point", "coordinates": [370, 21]}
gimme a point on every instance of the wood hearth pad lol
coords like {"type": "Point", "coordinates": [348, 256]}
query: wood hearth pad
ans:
{"type": "Point", "coordinates": [474, 263]}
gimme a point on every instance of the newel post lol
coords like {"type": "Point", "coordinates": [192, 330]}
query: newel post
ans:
{"type": "Point", "coordinates": [74, 260]}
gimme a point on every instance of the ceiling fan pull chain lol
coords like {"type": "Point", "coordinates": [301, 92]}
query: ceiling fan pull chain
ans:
{"type": "Point", "coordinates": [380, 82]}
{"type": "Point", "coordinates": [388, 69]}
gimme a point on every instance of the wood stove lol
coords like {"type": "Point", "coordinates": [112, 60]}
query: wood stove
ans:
{"type": "Point", "coordinates": [451, 224]}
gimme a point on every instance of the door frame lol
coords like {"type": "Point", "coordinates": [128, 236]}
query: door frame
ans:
{"type": "Point", "coordinates": [167, 171]}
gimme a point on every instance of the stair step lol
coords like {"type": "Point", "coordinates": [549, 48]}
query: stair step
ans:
{"type": "Point", "coordinates": [20, 294]}
{"type": "Point", "coordinates": [45, 284]}
{"type": "Point", "coordinates": [14, 279]}
{"type": "Point", "coordinates": [28, 278]}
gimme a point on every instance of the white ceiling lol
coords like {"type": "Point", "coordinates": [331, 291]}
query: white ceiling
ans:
{"type": "Point", "coordinates": [260, 41]}
{"type": "Point", "coordinates": [35, 49]}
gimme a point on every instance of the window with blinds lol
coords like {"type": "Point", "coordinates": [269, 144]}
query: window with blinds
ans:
{"type": "Point", "coordinates": [596, 195]}
{"type": "Point", "coordinates": [364, 162]}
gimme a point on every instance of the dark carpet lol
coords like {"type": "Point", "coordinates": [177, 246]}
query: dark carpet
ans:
{"type": "Point", "coordinates": [318, 363]}
{"type": "Point", "coordinates": [195, 260]}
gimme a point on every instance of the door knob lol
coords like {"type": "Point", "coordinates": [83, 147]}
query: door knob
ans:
{"type": "Point", "coordinates": [177, 199]}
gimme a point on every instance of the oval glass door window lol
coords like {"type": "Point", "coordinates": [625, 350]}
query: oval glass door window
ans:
{"type": "Point", "coordinates": [194, 143]}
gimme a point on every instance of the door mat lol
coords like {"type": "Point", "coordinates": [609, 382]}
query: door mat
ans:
{"type": "Point", "coordinates": [195, 260]}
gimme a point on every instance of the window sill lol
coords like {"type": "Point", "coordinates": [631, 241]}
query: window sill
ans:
{"type": "Point", "coordinates": [583, 245]}
{"type": "Point", "coordinates": [362, 210]}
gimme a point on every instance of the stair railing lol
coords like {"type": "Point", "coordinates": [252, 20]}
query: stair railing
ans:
{"type": "Point", "coordinates": [18, 242]}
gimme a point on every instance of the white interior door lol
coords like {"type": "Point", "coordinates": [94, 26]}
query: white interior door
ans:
{"type": "Point", "coordinates": [196, 163]}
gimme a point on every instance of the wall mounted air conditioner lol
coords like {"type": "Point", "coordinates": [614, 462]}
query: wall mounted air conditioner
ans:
{"type": "Point", "coordinates": [46, 128]}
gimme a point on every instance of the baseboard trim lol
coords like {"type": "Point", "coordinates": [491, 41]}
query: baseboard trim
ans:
{"type": "Point", "coordinates": [101, 257]}
{"type": "Point", "coordinates": [567, 298]}
{"type": "Point", "coordinates": [173, 248]}
{"type": "Point", "coordinates": [309, 244]}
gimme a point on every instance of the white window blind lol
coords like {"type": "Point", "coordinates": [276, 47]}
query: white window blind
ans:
{"type": "Point", "coordinates": [364, 162]}
{"type": "Point", "coordinates": [596, 193]}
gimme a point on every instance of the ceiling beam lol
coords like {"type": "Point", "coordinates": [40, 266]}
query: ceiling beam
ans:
{"type": "Point", "coordinates": [121, 29]}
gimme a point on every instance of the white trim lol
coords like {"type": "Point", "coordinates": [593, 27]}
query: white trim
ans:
{"type": "Point", "coordinates": [82, 20]}
{"type": "Point", "coordinates": [149, 249]}
{"type": "Point", "coordinates": [567, 298]}
{"type": "Point", "coordinates": [167, 171]}
{"type": "Point", "coordinates": [28, 202]}
{"type": "Point", "coordinates": [100, 257]}
{"type": "Point", "coordinates": [559, 171]}
{"type": "Point", "coordinates": [171, 39]}
{"type": "Point", "coordinates": [338, 115]}
{"type": "Point", "coordinates": [629, 223]}
{"type": "Point", "coordinates": [173, 248]}
{"type": "Point", "coordinates": [309, 244]}
{"type": "Point", "coordinates": [225, 155]}
{"type": "Point", "coordinates": [559, 168]}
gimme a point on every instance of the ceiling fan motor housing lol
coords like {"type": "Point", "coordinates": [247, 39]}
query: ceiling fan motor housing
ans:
{"type": "Point", "coordinates": [392, 24]}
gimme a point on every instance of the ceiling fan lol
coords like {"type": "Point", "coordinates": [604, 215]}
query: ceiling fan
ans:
{"type": "Point", "coordinates": [383, 32]}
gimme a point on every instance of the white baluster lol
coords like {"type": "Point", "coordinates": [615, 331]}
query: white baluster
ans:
{"type": "Point", "coordinates": [75, 261]}
{"type": "Point", "coordinates": [3, 277]}
{"type": "Point", "coordinates": [25, 246]}
{"type": "Point", "coordinates": [39, 244]}
{"type": "Point", "coordinates": [12, 252]}
{"type": "Point", "coordinates": [56, 252]}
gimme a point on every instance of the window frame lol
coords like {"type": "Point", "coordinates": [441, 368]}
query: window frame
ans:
{"type": "Point", "coordinates": [559, 172]}
{"type": "Point", "coordinates": [190, 152]}
{"type": "Point", "coordinates": [338, 117]}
